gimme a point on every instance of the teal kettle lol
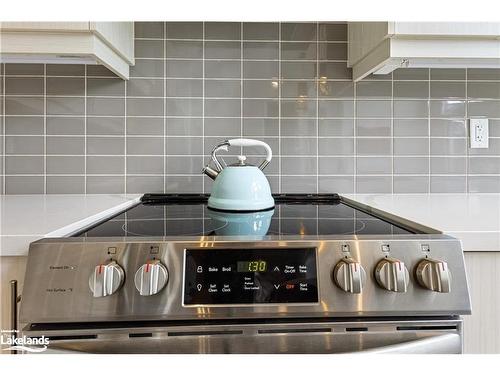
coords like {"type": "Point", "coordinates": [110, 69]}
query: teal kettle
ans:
{"type": "Point", "coordinates": [239, 187]}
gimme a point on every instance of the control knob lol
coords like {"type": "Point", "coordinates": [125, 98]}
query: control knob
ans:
{"type": "Point", "coordinates": [106, 279]}
{"type": "Point", "coordinates": [392, 274]}
{"type": "Point", "coordinates": [349, 275]}
{"type": "Point", "coordinates": [151, 277]}
{"type": "Point", "coordinates": [434, 275]}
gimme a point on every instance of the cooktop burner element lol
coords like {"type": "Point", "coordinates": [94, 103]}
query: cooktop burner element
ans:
{"type": "Point", "coordinates": [297, 214]}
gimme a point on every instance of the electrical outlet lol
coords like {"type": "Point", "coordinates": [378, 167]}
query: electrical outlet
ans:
{"type": "Point", "coordinates": [479, 133]}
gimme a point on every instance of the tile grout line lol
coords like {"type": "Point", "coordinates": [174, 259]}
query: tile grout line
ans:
{"type": "Point", "coordinates": [279, 112]}
{"type": "Point", "coordinates": [392, 132]}
{"type": "Point", "coordinates": [279, 123]}
{"type": "Point", "coordinates": [45, 128]}
{"type": "Point", "coordinates": [203, 187]}
{"type": "Point", "coordinates": [85, 130]}
{"type": "Point", "coordinates": [354, 133]}
{"type": "Point", "coordinates": [4, 151]}
{"type": "Point", "coordinates": [317, 113]}
{"type": "Point", "coordinates": [467, 151]}
{"type": "Point", "coordinates": [165, 125]}
{"type": "Point", "coordinates": [429, 143]}
{"type": "Point", "coordinates": [317, 122]}
{"type": "Point", "coordinates": [165, 132]}
{"type": "Point", "coordinates": [125, 139]}
{"type": "Point", "coordinates": [241, 82]}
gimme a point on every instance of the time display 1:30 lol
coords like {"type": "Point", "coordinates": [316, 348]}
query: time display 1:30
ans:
{"type": "Point", "coordinates": [251, 266]}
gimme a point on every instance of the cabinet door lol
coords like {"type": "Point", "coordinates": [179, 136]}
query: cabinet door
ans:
{"type": "Point", "coordinates": [482, 328]}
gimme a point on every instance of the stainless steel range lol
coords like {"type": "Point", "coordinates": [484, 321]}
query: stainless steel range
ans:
{"type": "Point", "coordinates": [316, 274]}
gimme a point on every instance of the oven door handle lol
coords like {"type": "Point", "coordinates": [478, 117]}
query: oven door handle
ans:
{"type": "Point", "coordinates": [448, 343]}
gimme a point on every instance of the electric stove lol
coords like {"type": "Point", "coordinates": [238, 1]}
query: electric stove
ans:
{"type": "Point", "coordinates": [318, 273]}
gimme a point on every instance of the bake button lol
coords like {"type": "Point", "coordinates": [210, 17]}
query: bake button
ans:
{"type": "Point", "coordinates": [212, 288]}
{"type": "Point", "coordinates": [226, 288]}
{"type": "Point", "coordinates": [213, 269]}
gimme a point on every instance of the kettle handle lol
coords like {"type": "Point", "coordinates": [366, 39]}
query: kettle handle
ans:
{"type": "Point", "coordinates": [246, 142]}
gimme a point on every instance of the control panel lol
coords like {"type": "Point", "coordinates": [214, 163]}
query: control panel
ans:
{"type": "Point", "coordinates": [249, 276]}
{"type": "Point", "coordinates": [76, 281]}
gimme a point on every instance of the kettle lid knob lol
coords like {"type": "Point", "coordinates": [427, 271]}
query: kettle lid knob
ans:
{"type": "Point", "coordinates": [241, 159]}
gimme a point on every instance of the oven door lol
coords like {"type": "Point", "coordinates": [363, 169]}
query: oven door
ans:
{"type": "Point", "coordinates": [418, 336]}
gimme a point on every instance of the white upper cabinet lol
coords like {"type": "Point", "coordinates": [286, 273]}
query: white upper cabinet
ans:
{"type": "Point", "coordinates": [381, 47]}
{"type": "Point", "coordinates": [108, 43]}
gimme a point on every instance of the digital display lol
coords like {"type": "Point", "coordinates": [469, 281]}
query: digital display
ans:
{"type": "Point", "coordinates": [250, 276]}
{"type": "Point", "coordinates": [252, 266]}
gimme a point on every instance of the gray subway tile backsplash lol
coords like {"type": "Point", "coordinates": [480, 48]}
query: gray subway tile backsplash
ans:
{"type": "Point", "coordinates": [23, 105]}
{"type": "Point", "coordinates": [223, 30]}
{"type": "Point", "coordinates": [411, 184]}
{"type": "Point", "coordinates": [261, 31]}
{"type": "Point", "coordinates": [99, 86]}
{"type": "Point", "coordinates": [187, 49]}
{"type": "Point", "coordinates": [184, 30]}
{"type": "Point", "coordinates": [105, 106]}
{"type": "Point", "coordinates": [105, 164]}
{"type": "Point", "coordinates": [148, 68]}
{"type": "Point", "coordinates": [483, 184]}
{"type": "Point", "coordinates": [71, 86]}
{"type": "Point", "coordinates": [149, 48]}
{"type": "Point", "coordinates": [411, 127]}
{"type": "Point", "coordinates": [149, 29]}
{"type": "Point", "coordinates": [374, 90]}
{"type": "Point", "coordinates": [448, 184]}
{"type": "Point", "coordinates": [26, 125]}
{"type": "Point", "coordinates": [105, 126]}
{"type": "Point", "coordinates": [81, 129]}
{"type": "Point", "coordinates": [24, 86]}
{"type": "Point", "coordinates": [56, 145]}
{"type": "Point", "coordinates": [298, 31]}
{"type": "Point", "coordinates": [24, 69]}
{"type": "Point", "coordinates": [260, 50]}
{"type": "Point", "coordinates": [447, 108]}
{"type": "Point", "coordinates": [65, 184]}
{"type": "Point", "coordinates": [16, 164]}
{"type": "Point", "coordinates": [411, 89]}
{"type": "Point", "coordinates": [68, 106]}
{"type": "Point", "coordinates": [66, 164]}
{"type": "Point", "coordinates": [411, 165]}
{"type": "Point", "coordinates": [447, 90]}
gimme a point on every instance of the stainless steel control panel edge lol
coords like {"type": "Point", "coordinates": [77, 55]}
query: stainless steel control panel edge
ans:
{"type": "Point", "coordinates": [56, 284]}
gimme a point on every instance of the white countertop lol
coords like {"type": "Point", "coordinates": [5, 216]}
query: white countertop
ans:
{"type": "Point", "coordinates": [27, 218]}
{"type": "Point", "coordinates": [473, 218]}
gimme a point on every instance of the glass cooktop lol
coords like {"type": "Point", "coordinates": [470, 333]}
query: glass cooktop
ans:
{"type": "Point", "coordinates": [293, 214]}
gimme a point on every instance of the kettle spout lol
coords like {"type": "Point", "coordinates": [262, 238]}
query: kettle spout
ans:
{"type": "Point", "coordinates": [210, 172]}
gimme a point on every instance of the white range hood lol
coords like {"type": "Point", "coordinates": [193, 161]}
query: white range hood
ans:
{"type": "Point", "coordinates": [381, 47]}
